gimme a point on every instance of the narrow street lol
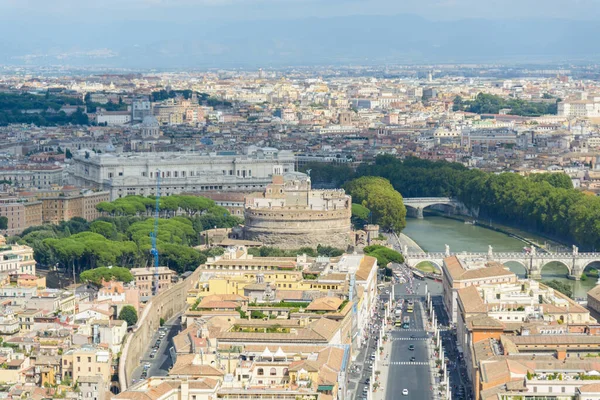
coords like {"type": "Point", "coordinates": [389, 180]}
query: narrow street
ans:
{"type": "Point", "coordinates": [161, 363]}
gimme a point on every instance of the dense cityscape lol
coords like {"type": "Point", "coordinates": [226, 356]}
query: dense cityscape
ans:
{"type": "Point", "coordinates": [326, 231]}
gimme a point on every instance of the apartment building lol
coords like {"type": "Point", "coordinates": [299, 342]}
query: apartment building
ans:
{"type": "Point", "coordinates": [67, 205]}
{"type": "Point", "coordinates": [179, 111]}
{"type": "Point", "coordinates": [524, 301]}
{"type": "Point", "coordinates": [136, 174]}
{"type": "Point", "coordinates": [352, 277]}
{"type": "Point", "coordinates": [144, 280]}
{"type": "Point", "coordinates": [32, 176]}
{"type": "Point", "coordinates": [579, 108]}
{"type": "Point", "coordinates": [459, 274]}
{"type": "Point", "coordinates": [113, 118]}
{"type": "Point", "coordinates": [21, 213]}
{"type": "Point", "coordinates": [16, 258]}
{"type": "Point", "coordinates": [86, 361]}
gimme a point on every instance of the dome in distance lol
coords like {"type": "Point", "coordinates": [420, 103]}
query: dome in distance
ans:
{"type": "Point", "coordinates": [150, 121]}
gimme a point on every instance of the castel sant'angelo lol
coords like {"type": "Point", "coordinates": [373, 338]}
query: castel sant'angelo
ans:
{"type": "Point", "coordinates": [290, 215]}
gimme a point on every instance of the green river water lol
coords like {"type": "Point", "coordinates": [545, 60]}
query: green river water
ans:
{"type": "Point", "coordinates": [433, 232]}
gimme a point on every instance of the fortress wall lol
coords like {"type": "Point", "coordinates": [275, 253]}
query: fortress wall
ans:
{"type": "Point", "coordinates": [165, 305]}
{"type": "Point", "coordinates": [297, 228]}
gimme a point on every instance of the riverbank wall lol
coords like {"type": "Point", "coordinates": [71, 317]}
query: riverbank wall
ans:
{"type": "Point", "coordinates": [405, 240]}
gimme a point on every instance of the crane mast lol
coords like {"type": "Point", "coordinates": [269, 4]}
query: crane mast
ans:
{"type": "Point", "coordinates": [153, 235]}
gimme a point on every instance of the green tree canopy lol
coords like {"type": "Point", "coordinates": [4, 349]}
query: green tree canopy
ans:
{"type": "Point", "coordinates": [360, 212]}
{"type": "Point", "coordinates": [106, 229]}
{"type": "Point", "coordinates": [379, 196]}
{"type": "Point", "coordinates": [491, 104]}
{"type": "Point", "coordinates": [384, 255]}
{"type": "Point", "coordinates": [97, 275]}
{"type": "Point", "coordinates": [129, 315]}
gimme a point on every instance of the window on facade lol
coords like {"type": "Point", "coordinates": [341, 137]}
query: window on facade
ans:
{"type": "Point", "coordinates": [273, 372]}
{"type": "Point", "coordinates": [120, 174]}
{"type": "Point", "coordinates": [260, 371]}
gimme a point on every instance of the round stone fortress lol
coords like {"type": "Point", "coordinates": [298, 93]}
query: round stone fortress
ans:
{"type": "Point", "coordinates": [289, 215]}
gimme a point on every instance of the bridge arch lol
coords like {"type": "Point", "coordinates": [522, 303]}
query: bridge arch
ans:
{"type": "Point", "coordinates": [556, 263]}
{"type": "Point", "coordinates": [592, 269]}
{"type": "Point", "coordinates": [517, 267]}
{"type": "Point", "coordinates": [420, 208]}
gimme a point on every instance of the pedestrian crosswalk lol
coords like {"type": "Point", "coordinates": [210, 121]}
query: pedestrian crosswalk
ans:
{"type": "Point", "coordinates": [408, 363]}
{"type": "Point", "coordinates": [409, 339]}
{"type": "Point", "coordinates": [410, 330]}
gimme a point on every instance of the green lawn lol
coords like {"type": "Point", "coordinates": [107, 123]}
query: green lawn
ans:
{"type": "Point", "coordinates": [427, 267]}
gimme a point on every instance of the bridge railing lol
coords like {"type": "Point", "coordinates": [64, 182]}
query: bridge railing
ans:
{"type": "Point", "coordinates": [424, 199]}
{"type": "Point", "coordinates": [515, 255]}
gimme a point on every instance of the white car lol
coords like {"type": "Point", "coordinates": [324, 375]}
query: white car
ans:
{"type": "Point", "coordinates": [405, 392]}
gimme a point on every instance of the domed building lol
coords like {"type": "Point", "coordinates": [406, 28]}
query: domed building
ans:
{"type": "Point", "coordinates": [289, 214]}
{"type": "Point", "coordinates": [150, 127]}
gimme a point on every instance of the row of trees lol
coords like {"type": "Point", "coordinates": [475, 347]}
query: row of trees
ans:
{"type": "Point", "coordinates": [546, 203]}
{"type": "Point", "coordinates": [187, 94]}
{"type": "Point", "coordinates": [124, 240]}
{"type": "Point", "coordinates": [168, 205]}
{"type": "Point", "coordinates": [12, 107]}
{"type": "Point", "coordinates": [491, 104]}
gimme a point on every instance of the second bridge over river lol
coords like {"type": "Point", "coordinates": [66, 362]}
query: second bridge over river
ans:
{"type": "Point", "coordinates": [418, 204]}
{"type": "Point", "coordinates": [533, 262]}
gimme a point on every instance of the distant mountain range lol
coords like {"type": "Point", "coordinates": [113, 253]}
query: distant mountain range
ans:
{"type": "Point", "coordinates": [402, 39]}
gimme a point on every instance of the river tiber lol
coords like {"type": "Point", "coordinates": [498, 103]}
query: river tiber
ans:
{"type": "Point", "coordinates": [434, 234]}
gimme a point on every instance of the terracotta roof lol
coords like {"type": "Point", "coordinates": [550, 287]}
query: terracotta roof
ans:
{"type": "Point", "coordinates": [190, 364]}
{"type": "Point", "coordinates": [204, 383]}
{"type": "Point", "coordinates": [217, 304]}
{"type": "Point", "coordinates": [495, 371]}
{"type": "Point", "coordinates": [483, 321]}
{"type": "Point", "coordinates": [471, 301]}
{"type": "Point", "coordinates": [591, 388]}
{"type": "Point", "coordinates": [325, 304]}
{"type": "Point", "coordinates": [554, 339]}
{"type": "Point", "coordinates": [457, 270]}
{"type": "Point", "coordinates": [366, 266]}
{"type": "Point", "coordinates": [454, 266]}
{"type": "Point", "coordinates": [594, 292]}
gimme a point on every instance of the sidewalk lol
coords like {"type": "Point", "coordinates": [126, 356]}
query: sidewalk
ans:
{"type": "Point", "coordinates": [383, 366]}
{"type": "Point", "coordinates": [433, 370]}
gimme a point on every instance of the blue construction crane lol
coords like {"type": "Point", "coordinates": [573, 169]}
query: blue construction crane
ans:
{"type": "Point", "coordinates": [153, 235]}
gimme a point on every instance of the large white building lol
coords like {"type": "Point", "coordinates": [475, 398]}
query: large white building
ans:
{"type": "Point", "coordinates": [579, 108]}
{"type": "Point", "coordinates": [136, 173]}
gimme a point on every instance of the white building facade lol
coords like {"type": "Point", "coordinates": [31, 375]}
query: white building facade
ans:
{"type": "Point", "coordinates": [136, 173]}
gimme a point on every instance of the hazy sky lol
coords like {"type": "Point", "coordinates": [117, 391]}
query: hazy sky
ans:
{"type": "Point", "coordinates": [118, 10]}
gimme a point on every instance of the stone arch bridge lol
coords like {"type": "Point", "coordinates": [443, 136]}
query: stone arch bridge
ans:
{"type": "Point", "coordinates": [533, 262]}
{"type": "Point", "coordinates": [420, 203]}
